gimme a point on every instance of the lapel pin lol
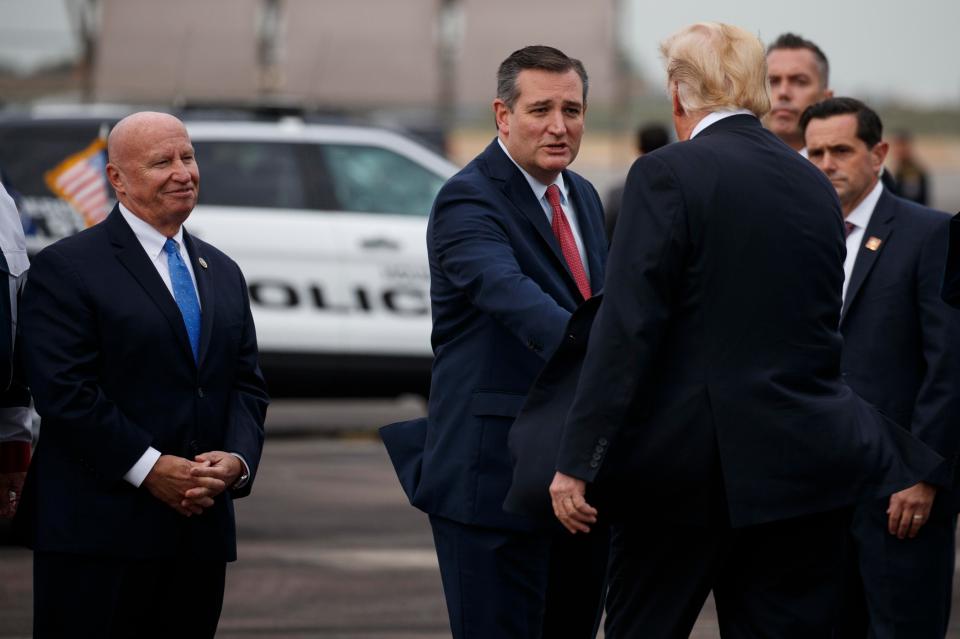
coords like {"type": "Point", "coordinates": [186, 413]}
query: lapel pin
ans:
{"type": "Point", "coordinates": [873, 244]}
{"type": "Point", "coordinates": [203, 262]}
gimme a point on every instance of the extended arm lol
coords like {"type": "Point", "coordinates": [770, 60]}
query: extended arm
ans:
{"type": "Point", "coordinates": [478, 257]}
{"type": "Point", "coordinates": [644, 271]}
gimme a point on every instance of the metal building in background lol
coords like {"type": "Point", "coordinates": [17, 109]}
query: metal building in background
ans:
{"type": "Point", "coordinates": [338, 53]}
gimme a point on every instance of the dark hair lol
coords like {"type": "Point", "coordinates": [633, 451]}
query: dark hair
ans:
{"type": "Point", "coordinates": [869, 127]}
{"type": "Point", "coordinates": [793, 41]}
{"type": "Point", "coordinates": [534, 57]}
{"type": "Point", "coordinates": [651, 137]}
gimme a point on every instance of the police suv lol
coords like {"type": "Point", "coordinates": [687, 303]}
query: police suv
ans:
{"type": "Point", "coordinates": [327, 222]}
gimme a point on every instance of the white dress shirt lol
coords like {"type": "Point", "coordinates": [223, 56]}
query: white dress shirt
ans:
{"type": "Point", "coordinates": [153, 242]}
{"type": "Point", "coordinates": [16, 422]}
{"type": "Point", "coordinates": [540, 192]}
{"type": "Point", "coordinates": [860, 217]}
{"type": "Point", "coordinates": [715, 116]}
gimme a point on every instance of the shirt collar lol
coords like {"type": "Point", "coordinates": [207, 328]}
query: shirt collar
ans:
{"type": "Point", "coordinates": [861, 214]}
{"type": "Point", "coordinates": [150, 238]}
{"type": "Point", "coordinates": [715, 116]}
{"type": "Point", "coordinates": [539, 188]}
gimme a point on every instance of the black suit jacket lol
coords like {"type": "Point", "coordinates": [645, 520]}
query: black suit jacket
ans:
{"type": "Point", "coordinates": [501, 295]}
{"type": "Point", "coordinates": [901, 342]}
{"type": "Point", "coordinates": [713, 367]}
{"type": "Point", "coordinates": [111, 370]}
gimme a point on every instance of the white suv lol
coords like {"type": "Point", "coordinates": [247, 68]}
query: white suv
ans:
{"type": "Point", "coordinates": [327, 222]}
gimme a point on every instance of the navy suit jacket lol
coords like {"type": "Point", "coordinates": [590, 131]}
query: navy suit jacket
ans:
{"type": "Point", "coordinates": [501, 295]}
{"type": "Point", "coordinates": [712, 371]}
{"type": "Point", "coordinates": [111, 371]}
{"type": "Point", "coordinates": [901, 342]}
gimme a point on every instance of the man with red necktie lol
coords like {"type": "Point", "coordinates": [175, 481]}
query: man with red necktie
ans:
{"type": "Point", "coordinates": [516, 242]}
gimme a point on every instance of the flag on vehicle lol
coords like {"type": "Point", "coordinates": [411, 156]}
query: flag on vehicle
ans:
{"type": "Point", "coordinates": [81, 181]}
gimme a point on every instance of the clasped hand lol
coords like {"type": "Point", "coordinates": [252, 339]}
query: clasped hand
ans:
{"type": "Point", "coordinates": [189, 487]}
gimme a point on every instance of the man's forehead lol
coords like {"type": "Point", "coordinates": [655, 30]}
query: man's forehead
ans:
{"type": "Point", "coordinates": [833, 128]}
{"type": "Point", "coordinates": [547, 88]}
{"type": "Point", "coordinates": [789, 61]}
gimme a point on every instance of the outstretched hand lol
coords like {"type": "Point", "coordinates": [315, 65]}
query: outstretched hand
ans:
{"type": "Point", "coordinates": [569, 505]}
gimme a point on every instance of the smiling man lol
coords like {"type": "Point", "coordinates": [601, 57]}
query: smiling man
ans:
{"type": "Point", "coordinates": [516, 242]}
{"type": "Point", "coordinates": [799, 74]}
{"type": "Point", "coordinates": [142, 358]}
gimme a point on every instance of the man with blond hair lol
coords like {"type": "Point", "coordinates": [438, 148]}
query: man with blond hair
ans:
{"type": "Point", "coordinates": [710, 417]}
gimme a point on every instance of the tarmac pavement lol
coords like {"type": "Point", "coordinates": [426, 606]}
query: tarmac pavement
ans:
{"type": "Point", "coordinates": [328, 545]}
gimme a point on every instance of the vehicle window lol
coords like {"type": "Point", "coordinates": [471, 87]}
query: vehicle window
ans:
{"type": "Point", "coordinates": [370, 179]}
{"type": "Point", "coordinates": [255, 174]}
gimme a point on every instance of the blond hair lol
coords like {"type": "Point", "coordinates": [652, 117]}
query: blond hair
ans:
{"type": "Point", "coordinates": [717, 66]}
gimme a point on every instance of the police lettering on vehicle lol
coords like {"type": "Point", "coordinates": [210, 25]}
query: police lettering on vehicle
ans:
{"type": "Point", "coordinates": [401, 300]}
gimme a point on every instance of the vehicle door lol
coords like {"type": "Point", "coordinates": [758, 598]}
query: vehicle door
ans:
{"type": "Point", "coordinates": [384, 198]}
{"type": "Point", "coordinates": [261, 205]}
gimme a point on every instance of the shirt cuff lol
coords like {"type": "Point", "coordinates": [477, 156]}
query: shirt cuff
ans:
{"type": "Point", "coordinates": [142, 468]}
{"type": "Point", "coordinates": [16, 424]}
{"type": "Point", "coordinates": [245, 479]}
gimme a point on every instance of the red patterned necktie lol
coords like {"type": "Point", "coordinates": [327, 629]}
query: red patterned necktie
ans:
{"type": "Point", "coordinates": [850, 227]}
{"type": "Point", "coordinates": [568, 246]}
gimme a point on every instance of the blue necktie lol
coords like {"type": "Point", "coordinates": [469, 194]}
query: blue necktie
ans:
{"type": "Point", "coordinates": [185, 294]}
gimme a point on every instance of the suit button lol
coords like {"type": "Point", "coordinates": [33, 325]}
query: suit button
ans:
{"type": "Point", "coordinates": [597, 456]}
{"type": "Point", "coordinates": [572, 337]}
{"type": "Point", "coordinates": [594, 464]}
{"type": "Point", "coordinates": [602, 442]}
{"type": "Point", "coordinates": [200, 392]}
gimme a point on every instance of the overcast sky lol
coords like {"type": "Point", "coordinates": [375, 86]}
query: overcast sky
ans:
{"type": "Point", "coordinates": [903, 49]}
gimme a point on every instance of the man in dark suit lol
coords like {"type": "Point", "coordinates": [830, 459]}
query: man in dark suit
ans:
{"type": "Point", "coordinates": [142, 358]}
{"type": "Point", "coordinates": [516, 243]}
{"type": "Point", "coordinates": [799, 75]}
{"type": "Point", "coordinates": [710, 412]}
{"type": "Point", "coordinates": [901, 352]}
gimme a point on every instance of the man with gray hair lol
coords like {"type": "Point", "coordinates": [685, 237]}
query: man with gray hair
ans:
{"type": "Point", "coordinates": [799, 75]}
{"type": "Point", "coordinates": [710, 416]}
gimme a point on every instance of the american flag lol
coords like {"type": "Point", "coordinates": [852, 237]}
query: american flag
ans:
{"type": "Point", "coordinates": [81, 181]}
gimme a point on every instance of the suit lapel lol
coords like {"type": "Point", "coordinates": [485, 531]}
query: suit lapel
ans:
{"type": "Point", "coordinates": [205, 291]}
{"type": "Point", "coordinates": [592, 233]}
{"type": "Point", "coordinates": [879, 228]}
{"type": "Point", "coordinates": [517, 190]}
{"type": "Point", "coordinates": [131, 255]}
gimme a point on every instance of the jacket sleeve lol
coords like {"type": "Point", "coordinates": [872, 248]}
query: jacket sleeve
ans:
{"type": "Point", "coordinates": [248, 399]}
{"type": "Point", "coordinates": [61, 353]}
{"type": "Point", "coordinates": [476, 254]}
{"type": "Point", "coordinates": [644, 270]}
{"type": "Point", "coordinates": [936, 411]}
{"type": "Point", "coordinates": [950, 290]}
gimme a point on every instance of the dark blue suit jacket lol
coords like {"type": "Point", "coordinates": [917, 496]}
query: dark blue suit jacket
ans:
{"type": "Point", "coordinates": [111, 371]}
{"type": "Point", "coordinates": [901, 342]}
{"type": "Point", "coordinates": [501, 296]}
{"type": "Point", "coordinates": [713, 367]}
